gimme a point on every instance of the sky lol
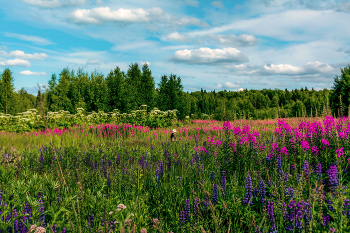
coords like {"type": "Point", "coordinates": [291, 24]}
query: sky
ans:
{"type": "Point", "coordinates": [214, 45]}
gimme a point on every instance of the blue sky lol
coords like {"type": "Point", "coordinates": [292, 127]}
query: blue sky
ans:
{"type": "Point", "coordinates": [217, 45]}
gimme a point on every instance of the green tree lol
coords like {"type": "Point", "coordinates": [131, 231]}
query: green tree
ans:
{"type": "Point", "coordinates": [115, 83]}
{"type": "Point", "coordinates": [7, 95]}
{"type": "Point", "coordinates": [340, 97]}
{"type": "Point", "coordinates": [146, 90]}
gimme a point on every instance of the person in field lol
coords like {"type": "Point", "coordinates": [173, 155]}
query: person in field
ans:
{"type": "Point", "coordinates": [172, 136]}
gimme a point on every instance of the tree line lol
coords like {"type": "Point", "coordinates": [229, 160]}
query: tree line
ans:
{"type": "Point", "coordinates": [127, 91]}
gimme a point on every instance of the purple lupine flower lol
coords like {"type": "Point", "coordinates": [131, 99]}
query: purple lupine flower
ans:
{"type": "Point", "coordinates": [212, 175]}
{"type": "Point", "coordinates": [307, 212]}
{"type": "Point", "coordinates": [248, 194]}
{"type": "Point", "coordinates": [326, 220]}
{"type": "Point", "coordinates": [109, 181]}
{"type": "Point", "coordinates": [346, 208]}
{"type": "Point", "coordinates": [63, 230]}
{"type": "Point", "coordinates": [284, 211]}
{"type": "Point", "coordinates": [196, 209]}
{"type": "Point", "coordinates": [292, 166]}
{"type": "Point", "coordinates": [223, 182]}
{"type": "Point", "coordinates": [16, 225]}
{"type": "Point", "coordinates": [330, 207]}
{"type": "Point", "coordinates": [299, 216]}
{"type": "Point", "coordinates": [54, 228]}
{"type": "Point", "coordinates": [215, 194]}
{"type": "Point", "coordinates": [182, 219]}
{"type": "Point", "coordinates": [42, 212]}
{"type": "Point", "coordinates": [291, 216]}
{"type": "Point", "coordinates": [306, 168]}
{"type": "Point", "coordinates": [319, 171]}
{"type": "Point", "coordinates": [161, 172]}
{"type": "Point", "coordinates": [333, 176]}
{"type": "Point", "coordinates": [279, 165]}
{"type": "Point", "coordinates": [299, 178]}
{"type": "Point", "coordinates": [255, 191]}
{"type": "Point", "coordinates": [271, 216]}
{"type": "Point", "coordinates": [206, 201]}
{"type": "Point", "coordinates": [91, 219]}
{"type": "Point", "coordinates": [262, 191]}
{"type": "Point", "coordinates": [179, 181]}
{"type": "Point", "coordinates": [187, 210]}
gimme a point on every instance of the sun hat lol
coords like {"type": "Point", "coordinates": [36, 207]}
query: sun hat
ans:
{"type": "Point", "coordinates": [174, 131]}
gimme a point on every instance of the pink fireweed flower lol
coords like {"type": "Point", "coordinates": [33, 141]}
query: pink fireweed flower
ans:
{"type": "Point", "coordinates": [339, 152]}
{"type": "Point", "coordinates": [325, 142]}
{"type": "Point", "coordinates": [262, 147]}
{"type": "Point", "coordinates": [233, 145]}
{"type": "Point", "coordinates": [227, 125]}
{"type": "Point", "coordinates": [278, 132]}
{"type": "Point", "coordinates": [218, 143]}
{"type": "Point", "coordinates": [284, 151]}
{"type": "Point", "coordinates": [305, 145]}
{"type": "Point", "coordinates": [203, 149]}
{"type": "Point", "coordinates": [314, 150]}
{"type": "Point", "coordinates": [274, 147]}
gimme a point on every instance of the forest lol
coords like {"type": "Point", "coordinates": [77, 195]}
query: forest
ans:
{"type": "Point", "coordinates": [127, 91]}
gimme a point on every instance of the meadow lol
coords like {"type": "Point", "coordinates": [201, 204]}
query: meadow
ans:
{"type": "Point", "coordinates": [281, 175]}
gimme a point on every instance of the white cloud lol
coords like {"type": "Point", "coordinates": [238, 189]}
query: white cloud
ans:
{"type": "Point", "coordinates": [94, 62]}
{"type": "Point", "coordinates": [55, 3]}
{"type": "Point", "coordinates": [230, 85]}
{"type": "Point", "coordinates": [101, 15]}
{"type": "Point", "coordinates": [178, 37]}
{"type": "Point", "coordinates": [292, 25]}
{"type": "Point", "coordinates": [34, 39]}
{"type": "Point", "coordinates": [99, 2]}
{"type": "Point", "coordinates": [311, 68]}
{"type": "Point", "coordinates": [232, 40]}
{"type": "Point", "coordinates": [209, 56]}
{"type": "Point", "coordinates": [219, 86]}
{"type": "Point", "coordinates": [147, 62]}
{"type": "Point", "coordinates": [282, 69]}
{"type": "Point", "coordinates": [217, 4]}
{"type": "Point", "coordinates": [28, 72]}
{"type": "Point", "coordinates": [192, 3]}
{"type": "Point", "coordinates": [15, 62]}
{"type": "Point", "coordinates": [21, 55]}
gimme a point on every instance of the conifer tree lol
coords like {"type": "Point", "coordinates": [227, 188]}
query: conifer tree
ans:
{"type": "Point", "coordinates": [115, 83]}
{"type": "Point", "coordinates": [7, 96]}
{"type": "Point", "coordinates": [147, 91]}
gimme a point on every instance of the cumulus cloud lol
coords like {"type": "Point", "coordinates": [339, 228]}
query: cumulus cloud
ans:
{"type": "Point", "coordinates": [28, 72]}
{"type": "Point", "coordinates": [147, 62]}
{"type": "Point", "coordinates": [217, 4]}
{"type": "Point", "coordinates": [15, 62]}
{"type": "Point", "coordinates": [311, 68]}
{"type": "Point", "coordinates": [218, 86]}
{"type": "Point", "coordinates": [21, 55]}
{"type": "Point", "coordinates": [55, 3]}
{"type": "Point", "coordinates": [192, 3]}
{"type": "Point", "coordinates": [175, 36]}
{"type": "Point", "coordinates": [34, 39]}
{"type": "Point", "coordinates": [101, 15]}
{"type": "Point", "coordinates": [207, 56]}
{"type": "Point", "coordinates": [230, 85]}
{"type": "Point", "coordinates": [232, 40]}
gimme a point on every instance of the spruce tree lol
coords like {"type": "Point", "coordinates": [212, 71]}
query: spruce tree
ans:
{"type": "Point", "coordinates": [115, 83]}
{"type": "Point", "coordinates": [7, 95]}
{"type": "Point", "coordinates": [340, 96]}
{"type": "Point", "coordinates": [147, 88]}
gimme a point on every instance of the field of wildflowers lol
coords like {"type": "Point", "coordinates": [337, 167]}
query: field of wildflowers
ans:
{"type": "Point", "coordinates": [285, 175]}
